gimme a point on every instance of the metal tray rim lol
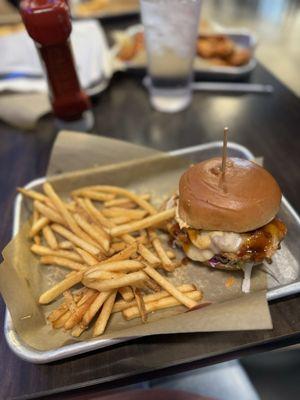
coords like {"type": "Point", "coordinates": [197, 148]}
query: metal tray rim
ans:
{"type": "Point", "coordinates": [41, 357]}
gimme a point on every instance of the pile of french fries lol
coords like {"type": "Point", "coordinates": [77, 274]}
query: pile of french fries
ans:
{"type": "Point", "coordinates": [109, 238]}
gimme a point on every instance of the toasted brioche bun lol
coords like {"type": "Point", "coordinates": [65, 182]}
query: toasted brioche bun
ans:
{"type": "Point", "coordinates": [247, 199]}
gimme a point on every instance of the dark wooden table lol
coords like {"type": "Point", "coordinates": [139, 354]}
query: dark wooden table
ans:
{"type": "Point", "coordinates": [267, 124]}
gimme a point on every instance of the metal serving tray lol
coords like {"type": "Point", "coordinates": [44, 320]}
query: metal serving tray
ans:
{"type": "Point", "coordinates": [289, 260]}
{"type": "Point", "coordinates": [202, 69]}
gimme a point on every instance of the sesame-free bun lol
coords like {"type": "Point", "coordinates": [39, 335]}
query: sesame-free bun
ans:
{"type": "Point", "coordinates": [247, 199]}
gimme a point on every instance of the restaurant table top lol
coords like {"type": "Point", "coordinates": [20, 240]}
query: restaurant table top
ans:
{"type": "Point", "coordinates": [268, 125]}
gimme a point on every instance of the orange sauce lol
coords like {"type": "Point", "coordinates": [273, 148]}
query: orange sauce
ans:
{"type": "Point", "coordinates": [229, 282]}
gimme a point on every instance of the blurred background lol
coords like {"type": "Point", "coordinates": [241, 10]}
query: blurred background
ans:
{"type": "Point", "coordinates": [277, 26]}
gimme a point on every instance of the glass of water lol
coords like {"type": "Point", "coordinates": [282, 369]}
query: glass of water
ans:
{"type": "Point", "coordinates": [171, 28]}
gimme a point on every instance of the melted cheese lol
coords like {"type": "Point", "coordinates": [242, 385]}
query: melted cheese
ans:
{"type": "Point", "coordinates": [205, 244]}
{"type": "Point", "coordinates": [196, 254]}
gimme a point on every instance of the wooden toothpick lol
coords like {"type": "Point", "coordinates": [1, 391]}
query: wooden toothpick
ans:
{"type": "Point", "coordinates": [224, 153]}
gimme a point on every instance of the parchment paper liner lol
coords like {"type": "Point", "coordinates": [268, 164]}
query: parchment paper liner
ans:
{"type": "Point", "coordinates": [22, 280]}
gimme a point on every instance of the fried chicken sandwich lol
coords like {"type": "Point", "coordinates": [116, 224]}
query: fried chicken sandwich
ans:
{"type": "Point", "coordinates": [227, 220]}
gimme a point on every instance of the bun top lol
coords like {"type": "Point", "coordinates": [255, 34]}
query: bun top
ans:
{"type": "Point", "coordinates": [248, 198]}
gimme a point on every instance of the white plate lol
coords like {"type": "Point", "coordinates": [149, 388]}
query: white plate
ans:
{"type": "Point", "coordinates": [202, 68]}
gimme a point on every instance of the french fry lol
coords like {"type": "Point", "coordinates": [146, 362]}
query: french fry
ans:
{"type": "Point", "coordinates": [117, 190]}
{"type": "Point", "coordinates": [66, 215]}
{"type": "Point", "coordinates": [128, 238]}
{"type": "Point", "coordinates": [165, 261]}
{"type": "Point", "coordinates": [98, 216]}
{"type": "Point", "coordinates": [117, 247]}
{"type": "Point", "coordinates": [63, 308]}
{"type": "Point", "coordinates": [140, 304]}
{"type": "Point", "coordinates": [124, 202]}
{"type": "Point", "coordinates": [103, 275]}
{"type": "Point", "coordinates": [120, 220]}
{"type": "Point", "coordinates": [58, 312]}
{"type": "Point", "coordinates": [45, 251]}
{"type": "Point", "coordinates": [35, 217]}
{"type": "Point", "coordinates": [87, 257]}
{"type": "Point", "coordinates": [60, 322]}
{"type": "Point", "coordinates": [124, 254]}
{"type": "Point", "coordinates": [177, 263]}
{"type": "Point", "coordinates": [127, 204]}
{"type": "Point", "coordinates": [95, 213]}
{"type": "Point", "coordinates": [77, 316]}
{"type": "Point", "coordinates": [61, 208]}
{"type": "Point", "coordinates": [144, 223]}
{"type": "Point", "coordinates": [50, 237]}
{"type": "Point", "coordinates": [66, 245]}
{"type": "Point", "coordinates": [169, 287]}
{"type": "Point", "coordinates": [49, 204]}
{"type": "Point", "coordinates": [121, 305]}
{"type": "Point", "coordinates": [37, 239]}
{"type": "Point", "coordinates": [87, 295]}
{"type": "Point", "coordinates": [95, 307]}
{"type": "Point", "coordinates": [69, 300]}
{"type": "Point", "coordinates": [90, 248]}
{"type": "Point", "coordinates": [167, 302]}
{"type": "Point", "coordinates": [94, 195]}
{"type": "Point", "coordinates": [104, 315]}
{"type": "Point", "coordinates": [60, 287]}
{"type": "Point", "coordinates": [81, 207]}
{"type": "Point", "coordinates": [108, 251]}
{"type": "Point", "coordinates": [92, 230]}
{"type": "Point", "coordinates": [38, 226]}
{"type": "Point", "coordinates": [148, 255]}
{"type": "Point", "coordinates": [32, 194]}
{"type": "Point", "coordinates": [170, 254]}
{"type": "Point", "coordinates": [120, 202]}
{"type": "Point", "coordinates": [142, 239]}
{"type": "Point", "coordinates": [83, 235]}
{"type": "Point", "coordinates": [126, 293]}
{"type": "Point", "coordinates": [69, 206]}
{"type": "Point", "coordinates": [151, 284]}
{"type": "Point", "coordinates": [107, 285]}
{"type": "Point", "coordinates": [92, 221]}
{"type": "Point", "coordinates": [114, 266]}
{"type": "Point", "coordinates": [62, 262]}
{"type": "Point", "coordinates": [77, 330]}
{"type": "Point", "coordinates": [48, 212]}
{"type": "Point", "coordinates": [72, 273]}
{"type": "Point", "coordinates": [120, 212]}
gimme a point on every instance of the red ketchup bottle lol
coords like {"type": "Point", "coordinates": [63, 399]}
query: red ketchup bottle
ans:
{"type": "Point", "coordinates": [48, 23]}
